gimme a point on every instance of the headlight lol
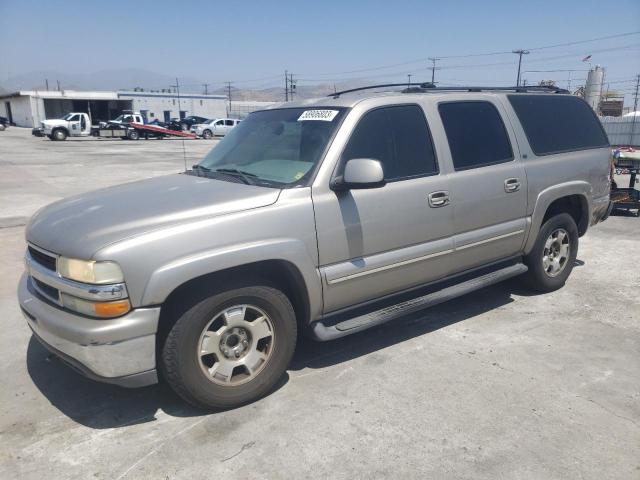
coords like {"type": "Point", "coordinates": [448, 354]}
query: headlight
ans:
{"type": "Point", "coordinates": [90, 271]}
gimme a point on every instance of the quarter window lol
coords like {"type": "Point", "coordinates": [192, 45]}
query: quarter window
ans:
{"type": "Point", "coordinates": [398, 137]}
{"type": "Point", "coordinates": [558, 123]}
{"type": "Point", "coordinates": [476, 134]}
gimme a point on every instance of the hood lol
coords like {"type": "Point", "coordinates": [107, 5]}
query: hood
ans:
{"type": "Point", "coordinates": [80, 226]}
{"type": "Point", "coordinates": [54, 121]}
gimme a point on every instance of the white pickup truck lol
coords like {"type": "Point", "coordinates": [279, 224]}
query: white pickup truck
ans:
{"type": "Point", "coordinates": [71, 125]}
{"type": "Point", "coordinates": [129, 125]}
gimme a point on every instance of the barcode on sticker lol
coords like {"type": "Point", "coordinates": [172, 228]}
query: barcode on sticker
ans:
{"type": "Point", "coordinates": [322, 115]}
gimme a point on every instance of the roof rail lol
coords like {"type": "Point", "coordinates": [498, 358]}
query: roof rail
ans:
{"type": "Point", "coordinates": [430, 87]}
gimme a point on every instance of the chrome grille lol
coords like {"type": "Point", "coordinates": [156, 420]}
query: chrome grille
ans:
{"type": "Point", "coordinates": [47, 261]}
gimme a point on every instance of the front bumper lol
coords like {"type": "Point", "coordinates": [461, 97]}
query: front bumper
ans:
{"type": "Point", "coordinates": [121, 351]}
{"type": "Point", "coordinates": [37, 132]}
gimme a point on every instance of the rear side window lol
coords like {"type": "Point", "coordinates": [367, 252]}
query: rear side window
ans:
{"type": "Point", "coordinates": [558, 123]}
{"type": "Point", "coordinates": [397, 136]}
{"type": "Point", "coordinates": [476, 134]}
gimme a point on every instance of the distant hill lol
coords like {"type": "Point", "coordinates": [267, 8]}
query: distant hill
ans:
{"type": "Point", "coordinates": [125, 79]}
{"type": "Point", "coordinates": [113, 79]}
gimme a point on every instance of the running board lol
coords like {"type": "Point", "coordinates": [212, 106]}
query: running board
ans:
{"type": "Point", "coordinates": [323, 332]}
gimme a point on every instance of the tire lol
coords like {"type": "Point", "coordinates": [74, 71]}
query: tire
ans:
{"type": "Point", "coordinates": [59, 135]}
{"type": "Point", "coordinates": [230, 348]}
{"type": "Point", "coordinates": [133, 135]}
{"type": "Point", "coordinates": [549, 263]}
{"type": "Point", "coordinates": [2, 127]}
{"type": "Point", "coordinates": [207, 134]}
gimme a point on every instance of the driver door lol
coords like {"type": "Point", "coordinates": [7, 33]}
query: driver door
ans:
{"type": "Point", "coordinates": [74, 125]}
{"type": "Point", "coordinates": [375, 242]}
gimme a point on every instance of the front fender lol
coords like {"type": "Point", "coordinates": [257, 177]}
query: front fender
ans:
{"type": "Point", "coordinates": [167, 278]}
{"type": "Point", "coordinates": [547, 196]}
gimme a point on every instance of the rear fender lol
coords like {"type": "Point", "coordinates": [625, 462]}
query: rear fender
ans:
{"type": "Point", "coordinates": [547, 196]}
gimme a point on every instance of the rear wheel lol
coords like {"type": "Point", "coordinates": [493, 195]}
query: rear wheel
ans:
{"type": "Point", "coordinates": [231, 348]}
{"type": "Point", "coordinates": [553, 255]}
{"type": "Point", "coordinates": [207, 134]}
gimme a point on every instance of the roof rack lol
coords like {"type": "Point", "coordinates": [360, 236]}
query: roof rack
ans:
{"type": "Point", "coordinates": [430, 87]}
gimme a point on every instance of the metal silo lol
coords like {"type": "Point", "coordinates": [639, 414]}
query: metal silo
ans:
{"type": "Point", "coordinates": [593, 87]}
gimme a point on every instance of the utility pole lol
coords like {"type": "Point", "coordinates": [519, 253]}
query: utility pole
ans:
{"type": "Point", "coordinates": [408, 80]}
{"type": "Point", "coordinates": [286, 86]}
{"type": "Point", "coordinates": [46, 82]}
{"type": "Point", "coordinates": [635, 109]}
{"type": "Point", "coordinates": [229, 95]}
{"type": "Point", "coordinates": [520, 53]}
{"type": "Point", "coordinates": [58, 84]}
{"type": "Point", "coordinates": [433, 68]}
{"type": "Point", "coordinates": [206, 88]}
{"type": "Point", "coordinates": [292, 86]}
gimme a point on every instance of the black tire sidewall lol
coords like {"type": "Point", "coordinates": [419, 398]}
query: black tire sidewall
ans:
{"type": "Point", "coordinates": [538, 278]}
{"type": "Point", "coordinates": [207, 134]}
{"type": "Point", "coordinates": [186, 375]}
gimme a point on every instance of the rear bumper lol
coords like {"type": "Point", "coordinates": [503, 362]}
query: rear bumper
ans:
{"type": "Point", "coordinates": [600, 210]}
{"type": "Point", "coordinates": [121, 351]}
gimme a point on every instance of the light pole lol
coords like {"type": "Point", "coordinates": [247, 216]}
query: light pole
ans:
{"type": "Point", "coordinates": [520, 53]}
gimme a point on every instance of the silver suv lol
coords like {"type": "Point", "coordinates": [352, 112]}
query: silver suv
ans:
{"type": "Point", "coordinates": [325, 217]}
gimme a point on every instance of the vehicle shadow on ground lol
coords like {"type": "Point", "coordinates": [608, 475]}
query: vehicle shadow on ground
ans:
{"type": "Point", "coordinates": [101, 406]}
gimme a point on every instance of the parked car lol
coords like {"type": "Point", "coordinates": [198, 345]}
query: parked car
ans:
{"type": "Point", "coordinates": [4, 123]}
{"type": "Point", "coordinates": [327, 218]}
{"type": "Point", "coordinates": [187, 122]}
{"type": "Point", "coordinates": [216, 127]}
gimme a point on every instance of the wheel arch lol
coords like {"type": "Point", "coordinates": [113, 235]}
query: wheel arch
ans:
{"type": "Point", "coordinates": [572, 198]}
{"type": "Point", "coordinates": [64, 129]}
{"type": "Point", "coordinates": [278, 273]}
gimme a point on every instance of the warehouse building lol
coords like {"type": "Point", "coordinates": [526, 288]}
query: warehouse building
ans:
{"type": "Point", "coordinates": [27, 108]}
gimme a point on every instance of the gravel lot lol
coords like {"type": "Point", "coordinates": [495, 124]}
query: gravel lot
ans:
{"type": "Point", "coordinates": [498, 384]}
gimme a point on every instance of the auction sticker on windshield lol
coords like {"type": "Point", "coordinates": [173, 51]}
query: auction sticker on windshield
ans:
{"type": "Point", "coordinates": [322, 115]}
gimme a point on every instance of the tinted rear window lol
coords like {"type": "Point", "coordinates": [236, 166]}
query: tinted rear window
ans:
{"type": "Point", "coordinates": [555, 124]}
{"type": "Point", "coordinates": [476, 134]}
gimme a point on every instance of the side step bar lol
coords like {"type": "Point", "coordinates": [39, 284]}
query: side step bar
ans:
{"type": "Point", "coordinates": [323, 332]}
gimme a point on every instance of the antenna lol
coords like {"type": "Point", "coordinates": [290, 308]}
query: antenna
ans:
{"type": "Point", "coordinates": [184, 152]}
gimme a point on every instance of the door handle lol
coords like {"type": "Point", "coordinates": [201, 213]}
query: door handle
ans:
{"type": "Point", "coordinates": [438, 199]}
{"type": "Point", "coordinates": [511, 185]}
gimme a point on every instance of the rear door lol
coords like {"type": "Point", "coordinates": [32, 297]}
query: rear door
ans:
{"type": "Point", "coordinates": [488, 185]}
{"type": "Point", "coordinates": [374, 242]}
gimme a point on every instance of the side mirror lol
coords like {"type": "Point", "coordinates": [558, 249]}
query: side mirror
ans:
{"type": "Point", "coordinates": [360, 173]}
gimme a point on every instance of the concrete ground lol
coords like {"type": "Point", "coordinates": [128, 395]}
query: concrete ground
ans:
{"type": "Point", "coordinates": [498, 384]}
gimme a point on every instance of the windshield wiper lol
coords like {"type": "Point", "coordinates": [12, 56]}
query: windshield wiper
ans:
{"type": "Point", "coordinates": [246, 176]}
{"type": "Point", "coordinates": [197, 168]}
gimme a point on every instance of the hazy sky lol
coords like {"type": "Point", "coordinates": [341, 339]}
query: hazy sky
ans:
{"type": "Point", "coordinates": [252, 43]}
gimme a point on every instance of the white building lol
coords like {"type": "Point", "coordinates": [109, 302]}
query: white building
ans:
{"type": "Point", "coordinates": [27, 108]}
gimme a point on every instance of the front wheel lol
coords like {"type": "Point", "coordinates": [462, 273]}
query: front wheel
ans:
{"type": "Point", "coordinates": [59, 135]}
{"type": "Point", "coordinates": [231, 348]}
{"type": "Point", "coordinates": [133, 134]}
{"type": "Point", "coordinates": [207, 134]}
{"type": "Point", "coordinates": [554, 254]}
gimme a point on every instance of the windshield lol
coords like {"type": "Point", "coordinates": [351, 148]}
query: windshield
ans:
{"type": "Point", "coordinates": [278, 147]}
